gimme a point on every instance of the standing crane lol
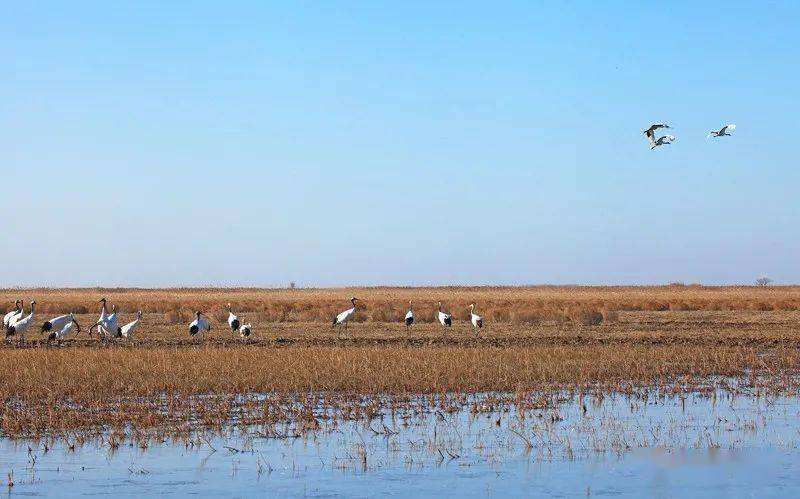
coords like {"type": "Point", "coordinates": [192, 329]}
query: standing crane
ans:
{"type": "Point", "coordinates": [13, 315]}
{"type": "Point", "coordinates": [233, 320]}
{"type": "Point", "coordinates": [475, 319]}
{"type": "Point", "coordinates": [104, 326]}
{"type": "Point", "coordinates": [20, 326]}
{"type": "Point", "coordinates": [199, 325]}
{"type": "Point", "coordinates": [445, 319]}
{"type": "Point", "coordinates": [128, 329]}
{"type": "Point", "coordinates": [346, 316]}
{"type": "Point", "coordinates": [410, 315]}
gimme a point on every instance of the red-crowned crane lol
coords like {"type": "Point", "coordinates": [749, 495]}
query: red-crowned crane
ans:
{"type": "Point", "coordinates": [66, 330]}
{"type": "Point", "coordinates": [445, 319]}
{"type": "Point", "coordinates": [722, 132]}
{"type": "Point", "coordinates": [20, 326]}
{"type": "Point", "coordinates": [475, 319]}
{"type": "Point", "coordinates": [233, 320]}
{"type": "Point", "coordinates": [13, 315]}
{"type": "Point", "coordinates": [409, 315]}
{"type": "Point", "coordinates": [128, 329]}
{"type": "Point", "coordinates": [199, 325]}
{"type": "Point", "coordinates": [346, 316]}
{"type": "Point", "coordinates": [650, 133]}
{"type": "Point", "coordinates": [245, 331]}
{"type": "Point", "coordinates": [107, 323]}
{"type": "Point", "coordinates": [56, 324]}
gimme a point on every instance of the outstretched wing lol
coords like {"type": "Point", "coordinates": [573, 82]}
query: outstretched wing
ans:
{"type": "Point", "coordinates": [727, 128]}
{"type": "Point", "coordinates": [654, 127]}
{"type": "Point", "coordinates": [651, 137]}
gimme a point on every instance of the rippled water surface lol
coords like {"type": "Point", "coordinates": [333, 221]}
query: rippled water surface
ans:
{"type": "Point", "coordinates": [695, 445]}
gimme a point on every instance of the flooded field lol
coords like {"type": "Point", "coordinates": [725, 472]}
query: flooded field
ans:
{"type": "Point", "coordinates": [647, 392]}
{"type": "Point", "coordinates": [721, 441]}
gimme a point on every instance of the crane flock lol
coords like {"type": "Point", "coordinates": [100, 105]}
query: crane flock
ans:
{"type": "Point", "coordinates": [16, 323]}
{"type": "Point", "coordinates": [667, 139]}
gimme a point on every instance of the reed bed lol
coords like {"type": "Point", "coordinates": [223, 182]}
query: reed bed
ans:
{"type": "Point", "coordinates": [537, 341]}
{"type": "Point", "coordinates": [47, 392]}
{"type": "Point", "coordinates": [518, 305]}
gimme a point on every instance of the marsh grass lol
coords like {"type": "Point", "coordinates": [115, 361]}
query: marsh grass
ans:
{"type": "Point", "coordinates": [520, 305]}
{"type": "Point", "coordinates": [91, 389]}
{"type": "Point", "coordinates": [537, 341]}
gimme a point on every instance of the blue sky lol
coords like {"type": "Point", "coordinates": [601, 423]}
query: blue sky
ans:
{"type": "Point", "coordinates": [411, 143]}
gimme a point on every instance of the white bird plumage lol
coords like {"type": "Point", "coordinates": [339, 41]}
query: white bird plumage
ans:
{"type": "Point", "coordinates": [344, 317]}
{"type": "Point", "coordinates": [475, 319]}
{"type": "Point", "coordinates": [445, 319]}
{"type": "Point", "coordinates": [233, 320]}
{"type": "Point", "coordinates": [650, 133]}
{"type": "Point", "coordinates": [128, 329]}
{"type": "Point", "coordinates": [13, 315]}
{"type": "Point", "coordinates": [57, 323]}
{"type": "Point", "coordinates": [409, 319]}
{"type": "Point", "coordinates": [111, 321]}
{"type": "Point", "coordinates": [107, 323]}
{"type": "Point", "coordinates": [20, 326]}
{"type": "Point", "coordinates": [245, 330]}
{"type": "Point", "coordinates": [199, 325]}
{"type": "Point", "coordinates": [722, 132]}
{"type": "Point", "coordinates": [65, 330]}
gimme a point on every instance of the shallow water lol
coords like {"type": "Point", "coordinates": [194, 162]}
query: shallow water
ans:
{"type": "Point", "coordinates": [696, 445]}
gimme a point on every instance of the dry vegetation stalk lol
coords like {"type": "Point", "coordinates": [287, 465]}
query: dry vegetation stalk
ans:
{"type": "Point", "coordinates": [520, 305]}
{"type": "Point", "coordinates": [182, 388]}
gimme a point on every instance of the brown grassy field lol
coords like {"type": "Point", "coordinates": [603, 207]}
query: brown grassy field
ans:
{"type": "Point", "coordinates": [510, 313]}
{"type": "Point", "coordinates": [498, 304]}
{"type": "Point", "coordinates": [535, 341]}
{"type": "Point", "coordinates": [49, 391]}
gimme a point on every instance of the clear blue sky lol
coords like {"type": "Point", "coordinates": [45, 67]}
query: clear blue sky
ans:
{"type": "Point", "coordinates": [363, 143]}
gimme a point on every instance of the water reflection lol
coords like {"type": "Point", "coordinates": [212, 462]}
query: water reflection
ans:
{"type": "Point", "coordinates": [696, 444]}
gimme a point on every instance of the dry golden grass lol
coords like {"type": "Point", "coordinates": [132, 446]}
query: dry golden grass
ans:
{"type": "Point", "coordinates": [519, 305]}
{"type": "Point", "coordinates": [91, 389]}
{"type": "Point", "coordinates": [536, 340]}
{"type": "Point", "coordinates": [87, 374]}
